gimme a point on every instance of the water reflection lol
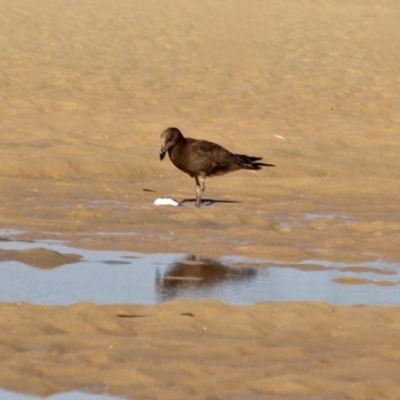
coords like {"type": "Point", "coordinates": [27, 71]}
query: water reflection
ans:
{"type": "Point", "coordinates": [198, 275]}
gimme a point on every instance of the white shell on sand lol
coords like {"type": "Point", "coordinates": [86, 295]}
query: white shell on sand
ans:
{"type": "Point", "coordinates": [165, 201]}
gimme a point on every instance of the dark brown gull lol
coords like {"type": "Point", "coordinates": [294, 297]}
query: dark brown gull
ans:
{"type": "Point", "coordinates": [201, 159]}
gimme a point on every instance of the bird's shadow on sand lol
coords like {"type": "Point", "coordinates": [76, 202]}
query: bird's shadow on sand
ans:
{"type": "Point", "coordinates": [207, 202]}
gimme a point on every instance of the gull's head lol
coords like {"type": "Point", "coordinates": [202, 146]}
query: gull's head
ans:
{"type": "Point", "coordinates": [169, 138]}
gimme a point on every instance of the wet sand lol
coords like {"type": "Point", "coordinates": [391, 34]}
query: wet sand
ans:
{"type": "Point", "coordinates": [86, 89]}
{"type": "Point", "coordinates": [185, 349]}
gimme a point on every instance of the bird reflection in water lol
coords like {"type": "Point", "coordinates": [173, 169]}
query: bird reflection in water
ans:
{"type": "Point", "coordinates": [197, 276]}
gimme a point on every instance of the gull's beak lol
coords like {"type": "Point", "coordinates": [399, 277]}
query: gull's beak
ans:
{"type": "Point", "coordinates": [162, 153]}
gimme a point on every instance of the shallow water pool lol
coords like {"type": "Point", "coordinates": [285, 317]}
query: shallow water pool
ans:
{"type": "Point", "coordinates": [6, 395]}
{"type": "Point", "coordinates": [45, 272]}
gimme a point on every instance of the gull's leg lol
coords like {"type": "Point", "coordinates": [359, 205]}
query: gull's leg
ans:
{"type": "Point", "coordinates": [200, 187]}
{"type": "Point", "coordinates": [198, 192]}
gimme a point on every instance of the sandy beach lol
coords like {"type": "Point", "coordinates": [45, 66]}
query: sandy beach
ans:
{"type": "Point", "coordinates": [88, 86]}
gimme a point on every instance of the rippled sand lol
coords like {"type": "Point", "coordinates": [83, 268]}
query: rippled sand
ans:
{"type": "Point", "coordinates": [86, 89]}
